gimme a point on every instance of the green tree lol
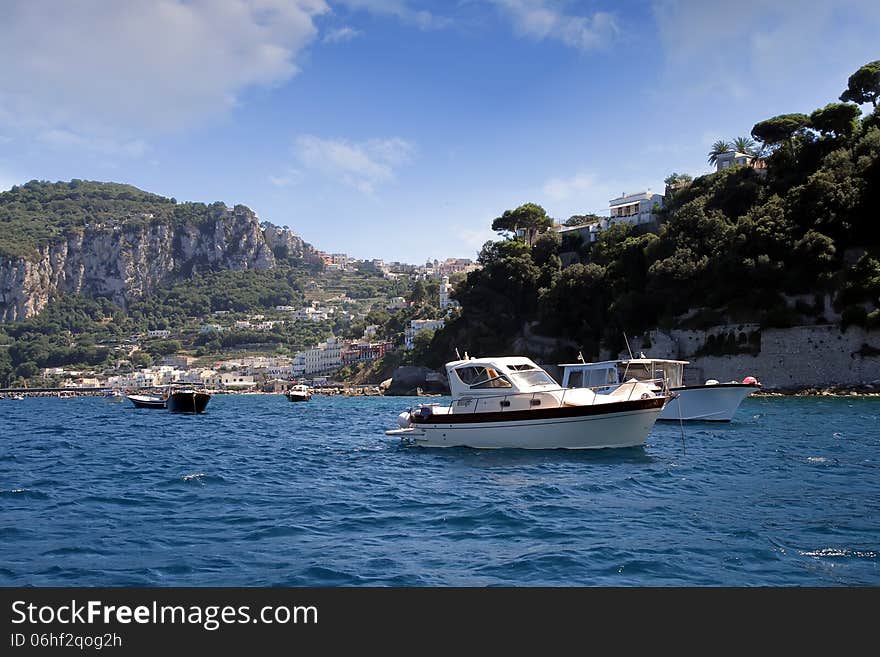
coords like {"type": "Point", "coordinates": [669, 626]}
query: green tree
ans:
{"type": "Point", "coordinates": [418, 292]}
{"type": "Point", "coordinates": [582, 219]}
{"type": "Point", "coordinates": [863, 86]}
{"type": "Point", "coordinates": [675, 180]}
{"type": "Point", "coordinates": [780, 129]}
{"type": "Point", "coordinates": [529, 217]}
{"type": "Point", "coordinates": [27, 370]}
{"type": "Point", "coordinates": [717, 149]}
{"type": "Point", "coordinates": [141, 359]}
{"type": "Point", "coordinates": [837, 119]}
{"type": "Point", "coordinates": [545, 247]}
{"type": "Point", "coordinates": [744, 145]}
{"type": "Point", "coordinates": [421, 347]}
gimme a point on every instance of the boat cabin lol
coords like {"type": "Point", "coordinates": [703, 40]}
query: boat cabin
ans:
{"type": "Point", "coordinates": [606, 375]}
{"type": "Point", "coordinates": [492, 384]}
{"type": "Point", "coordinates": [481, 376]}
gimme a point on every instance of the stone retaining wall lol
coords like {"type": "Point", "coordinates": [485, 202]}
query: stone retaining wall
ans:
{"type": "Point", "coordinates": [797, 357]}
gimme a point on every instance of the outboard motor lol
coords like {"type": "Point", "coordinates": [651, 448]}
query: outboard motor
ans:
{"type": "Point", "coordinates": [403, 420]}
{"type": "Point", "coordinates": [423, 412]}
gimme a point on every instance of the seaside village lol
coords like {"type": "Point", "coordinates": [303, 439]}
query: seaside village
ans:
{"type": "Point", "coordinates": [276, 374]}
{"type": "Point", "coordinates": [317, 365]}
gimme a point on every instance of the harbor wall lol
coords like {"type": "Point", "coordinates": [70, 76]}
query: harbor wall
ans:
{"type": "Point", "coordinates": [782, 359]}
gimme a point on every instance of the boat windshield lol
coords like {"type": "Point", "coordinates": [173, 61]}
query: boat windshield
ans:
{"type": "Point", "coordinates": [592, 377]}
{"type": "Point", "coordinates": [664, 371]}
{"type": "Point", "coordinates": [531, 378]}
{"type": "Point", "coordinates": [482, 377]}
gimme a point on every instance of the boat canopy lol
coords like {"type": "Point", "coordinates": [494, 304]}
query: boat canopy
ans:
{"type": "Point", "coordinates": [497, 375]}
{"type": "Point", "coordinates": [612, 372]}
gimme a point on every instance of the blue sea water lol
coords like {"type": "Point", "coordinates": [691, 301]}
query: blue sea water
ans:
{"type": "Point", "coordinates": [259, 491]}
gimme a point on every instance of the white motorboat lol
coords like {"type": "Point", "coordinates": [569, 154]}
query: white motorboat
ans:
{"type": "Point", "coordinates": [147, 401]}
{"type": "Point", "coordinates": [511, 402]}
{"type": "Point", "coordinates": [712, 401]}
{"type": "Point", "coordinates": [299, 393]}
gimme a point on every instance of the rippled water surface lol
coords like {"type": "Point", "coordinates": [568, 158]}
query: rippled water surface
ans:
{"type": "Point", "coordinates": [259, 491]}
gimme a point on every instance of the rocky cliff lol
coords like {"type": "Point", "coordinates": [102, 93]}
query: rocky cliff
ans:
{"type": "Point", "coordinates": [783, 359]}
{"type": "Point", "coordinates": [124, 260]}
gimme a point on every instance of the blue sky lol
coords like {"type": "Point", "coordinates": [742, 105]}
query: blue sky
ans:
{"type": "Point", "coordinates": [398, 129]}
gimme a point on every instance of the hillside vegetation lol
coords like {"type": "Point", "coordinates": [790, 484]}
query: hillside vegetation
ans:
{"type": "Point", "coordinates": [33, 214]}
{"type": "Point", "coordinates": [733, 246]}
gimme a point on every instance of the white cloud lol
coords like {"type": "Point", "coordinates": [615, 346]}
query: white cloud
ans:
{"type": "Point", "coordinates": [363, 165]}
{"type": "Point", "coordinates": [100, 144]}
{"type": "Point", "coordinates": [564, 189]}
{"type": "Point", "coordinates": [110, 70]}
{"type": "Point", "coordinates": [287, 178]}
{"type": "Point", "coordinates": [475, 238]}
{"type": "Point", "coordinates": [585, 192]}
{"type": "Point", "coordinates": [8, 180]}
{"type": "Point", "coordinates": [750, 49]}
{"type": "Point", "coordinates": [341, 34]}
{"type": "Point", "coordinates": [399, 9]}
{"type": "Point", "coordinates": [545, 19]}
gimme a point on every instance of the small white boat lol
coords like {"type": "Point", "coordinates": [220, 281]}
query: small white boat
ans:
{"type": "Point", "coordinates": [146, 401]}
{"type": "Point", "coordinates": [299, 393]}
{"type": "Point", "coordinates": [712, 401]}
{"type": "Point", "coordinates": [511, 402]}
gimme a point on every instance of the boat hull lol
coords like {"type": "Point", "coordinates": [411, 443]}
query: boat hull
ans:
{"type": "Point", "coordinates": [146, 402]}
{"type": "Point", "coordinates": [298, 398]}
{"type": "Point", "coordinates": [570, 428]}
{"type": "Point", "coordinates": [715, 403]}
{"type": "Point", "coordinates": [188, 402]}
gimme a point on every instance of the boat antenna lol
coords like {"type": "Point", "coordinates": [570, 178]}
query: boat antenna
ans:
{"type": "Point", "coordinates": [627, 346]}
{"type": "Point", "coordinates": [581, 357]}
{"type": "Point", "coordinates": [457, 355]}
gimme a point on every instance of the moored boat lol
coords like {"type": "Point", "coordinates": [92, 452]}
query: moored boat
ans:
{"type": "Point", "coordinates": [146, 401]}
{"type": "Point", "coordinates": [510, 402]}
{"type": "Point", "coordinates": [187, 400]}
{"type": "Point", "coordinates": [711, 401]}
{"type": "Point", "coordinates": [299, 393]}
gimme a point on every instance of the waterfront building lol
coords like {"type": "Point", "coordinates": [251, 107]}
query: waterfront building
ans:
{"type": "Point", "coordinates": [325, 357]}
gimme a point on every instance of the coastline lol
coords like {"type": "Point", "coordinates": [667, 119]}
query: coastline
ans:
{"type": "Point", "coordinates": [866, 391]}
{"type": "Point", "coordinates": [830, 391]}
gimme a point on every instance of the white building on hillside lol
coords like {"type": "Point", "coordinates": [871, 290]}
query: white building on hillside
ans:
{"type": "Point", "coordinates": [445, 290]}
{"type": "Point", "coordinates": [327, 356]}
{"type": "Point", "coordinates": [634, 209]}
{"type": "Point", "coordinates": [587, 232]}
{"type": "Point", "coordinates": [416, 326]}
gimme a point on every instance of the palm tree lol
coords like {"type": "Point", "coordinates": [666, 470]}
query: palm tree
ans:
{"type": "Point", "coordinates": [718, 148]}
{"type": "Point", "coordinates": [744, 145]}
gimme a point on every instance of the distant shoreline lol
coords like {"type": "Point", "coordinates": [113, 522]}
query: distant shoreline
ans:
{"type": "Point", "coordinates": [832, 391]}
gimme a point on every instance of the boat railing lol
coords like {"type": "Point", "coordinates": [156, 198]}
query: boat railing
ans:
{"type": "Point", "coordinates": [660, 383]}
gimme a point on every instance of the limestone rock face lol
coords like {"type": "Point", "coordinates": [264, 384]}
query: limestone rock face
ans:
{"type": "Point", "coordinates": [414, 380]}
{"type": "Point", "coordinates": [127, 261]}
